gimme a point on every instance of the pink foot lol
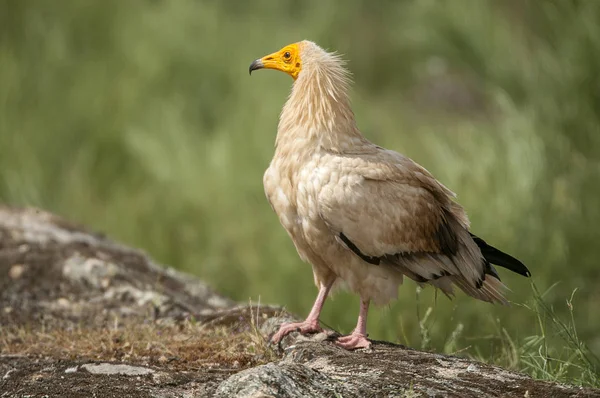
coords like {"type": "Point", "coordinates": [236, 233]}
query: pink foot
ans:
{"type": "Point", "coordinates": [302, 327]}
{"type": "Point", "coordinates": [353, 341]}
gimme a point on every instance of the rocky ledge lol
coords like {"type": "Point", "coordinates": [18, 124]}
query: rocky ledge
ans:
{"type": "Point", "coordinates": [83, 316]}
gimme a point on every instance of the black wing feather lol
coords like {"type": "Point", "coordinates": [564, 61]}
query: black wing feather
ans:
{"type": "Point", "coordinates": [500, 258]}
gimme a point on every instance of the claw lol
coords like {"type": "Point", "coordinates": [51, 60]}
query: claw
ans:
{"type": "Point", "coordinates": [305, 327]}
{"type": "Point", "coordinates": [353, 341]}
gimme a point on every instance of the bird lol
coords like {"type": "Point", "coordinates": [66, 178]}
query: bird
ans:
{"type": "Point", "coordinates": [363, 216]}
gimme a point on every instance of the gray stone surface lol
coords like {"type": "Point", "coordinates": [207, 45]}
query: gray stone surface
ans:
{"type": "Point", "coordinates": [115, 369]}
{"type": "Point", "coordinates": [313, 367]}
{"type": "Point", "coordinates": [280, 380]}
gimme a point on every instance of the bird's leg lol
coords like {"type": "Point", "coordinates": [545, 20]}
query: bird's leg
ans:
{"type": "Point", "coordinates": [358, 338]}
{"type": "Point", "coordinates": [311, 323]}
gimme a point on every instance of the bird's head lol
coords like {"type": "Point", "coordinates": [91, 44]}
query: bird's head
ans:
{"type": "Point", "coordinates": [288, 60]}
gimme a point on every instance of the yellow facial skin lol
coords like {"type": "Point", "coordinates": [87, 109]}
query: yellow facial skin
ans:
{"type": "Point", "coordinates": [286, 60]}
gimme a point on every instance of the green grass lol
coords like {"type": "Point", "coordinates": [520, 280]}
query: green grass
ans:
{"type": "Point", "coordinates": [138, 118]}
{"type": "Point", "coordinates": [540, 355]}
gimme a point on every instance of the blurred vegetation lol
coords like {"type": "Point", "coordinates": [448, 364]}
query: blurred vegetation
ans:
{"type": "Point", "coordinates": [138, 118]}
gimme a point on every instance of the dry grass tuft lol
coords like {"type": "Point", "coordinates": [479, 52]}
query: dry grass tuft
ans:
{"type": "Point", "coordinates": [186, 345]}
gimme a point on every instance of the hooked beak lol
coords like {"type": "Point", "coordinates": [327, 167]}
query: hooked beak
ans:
{"type": "Point", "coordinates": [256, 64]}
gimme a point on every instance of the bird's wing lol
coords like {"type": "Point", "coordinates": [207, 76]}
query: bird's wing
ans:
{"type": "Point", "coordinates": [386, 205]}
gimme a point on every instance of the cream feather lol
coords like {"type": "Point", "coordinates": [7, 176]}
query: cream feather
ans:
{"type": "Point", "coordinates": [361, 213]}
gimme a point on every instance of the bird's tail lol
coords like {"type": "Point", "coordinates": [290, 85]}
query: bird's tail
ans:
{"type": "Point", "coordinates": [497, 257]}
{"type": "Point", "coordinates": [491, 290]}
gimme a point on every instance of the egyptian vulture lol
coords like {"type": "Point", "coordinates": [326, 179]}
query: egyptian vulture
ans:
{"type": "Point", "coordinates": [359, 213]}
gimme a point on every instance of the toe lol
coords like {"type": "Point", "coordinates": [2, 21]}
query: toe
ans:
{"type": "Point", "coordinates": [344, 339]}
{"type": "Point", "coordinates": [302, 327]}
{"type": "Point", "coordinates": [353, 341]}
{"type": "Point", "coordinates": [283, 331]}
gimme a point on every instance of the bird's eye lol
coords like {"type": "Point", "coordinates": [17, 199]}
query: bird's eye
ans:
{"type": "Point", "coordinates": [287, 55]}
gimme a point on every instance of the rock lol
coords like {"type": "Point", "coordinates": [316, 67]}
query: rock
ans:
{"type": "Point", "coordinates": [82, 315]}
{"type": "Point", "coordinates": [280, 380]}
{"type": "Point", "coordinates": [115, 369]}
{"type": "Point", "coordinates": [16, 271]}
{"type": "Point", "coordinates": [312, 367]}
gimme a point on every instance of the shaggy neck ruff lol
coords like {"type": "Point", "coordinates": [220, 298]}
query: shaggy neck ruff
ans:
{"type": "Point", "coordinates": [318, 112]}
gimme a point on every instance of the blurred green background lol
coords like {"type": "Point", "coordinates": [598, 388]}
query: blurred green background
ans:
{"type": "Point", "coordinates": [138, 118]}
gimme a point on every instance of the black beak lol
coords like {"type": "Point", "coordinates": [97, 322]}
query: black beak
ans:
{"type": "Point", "coordinates": [256, 64]}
